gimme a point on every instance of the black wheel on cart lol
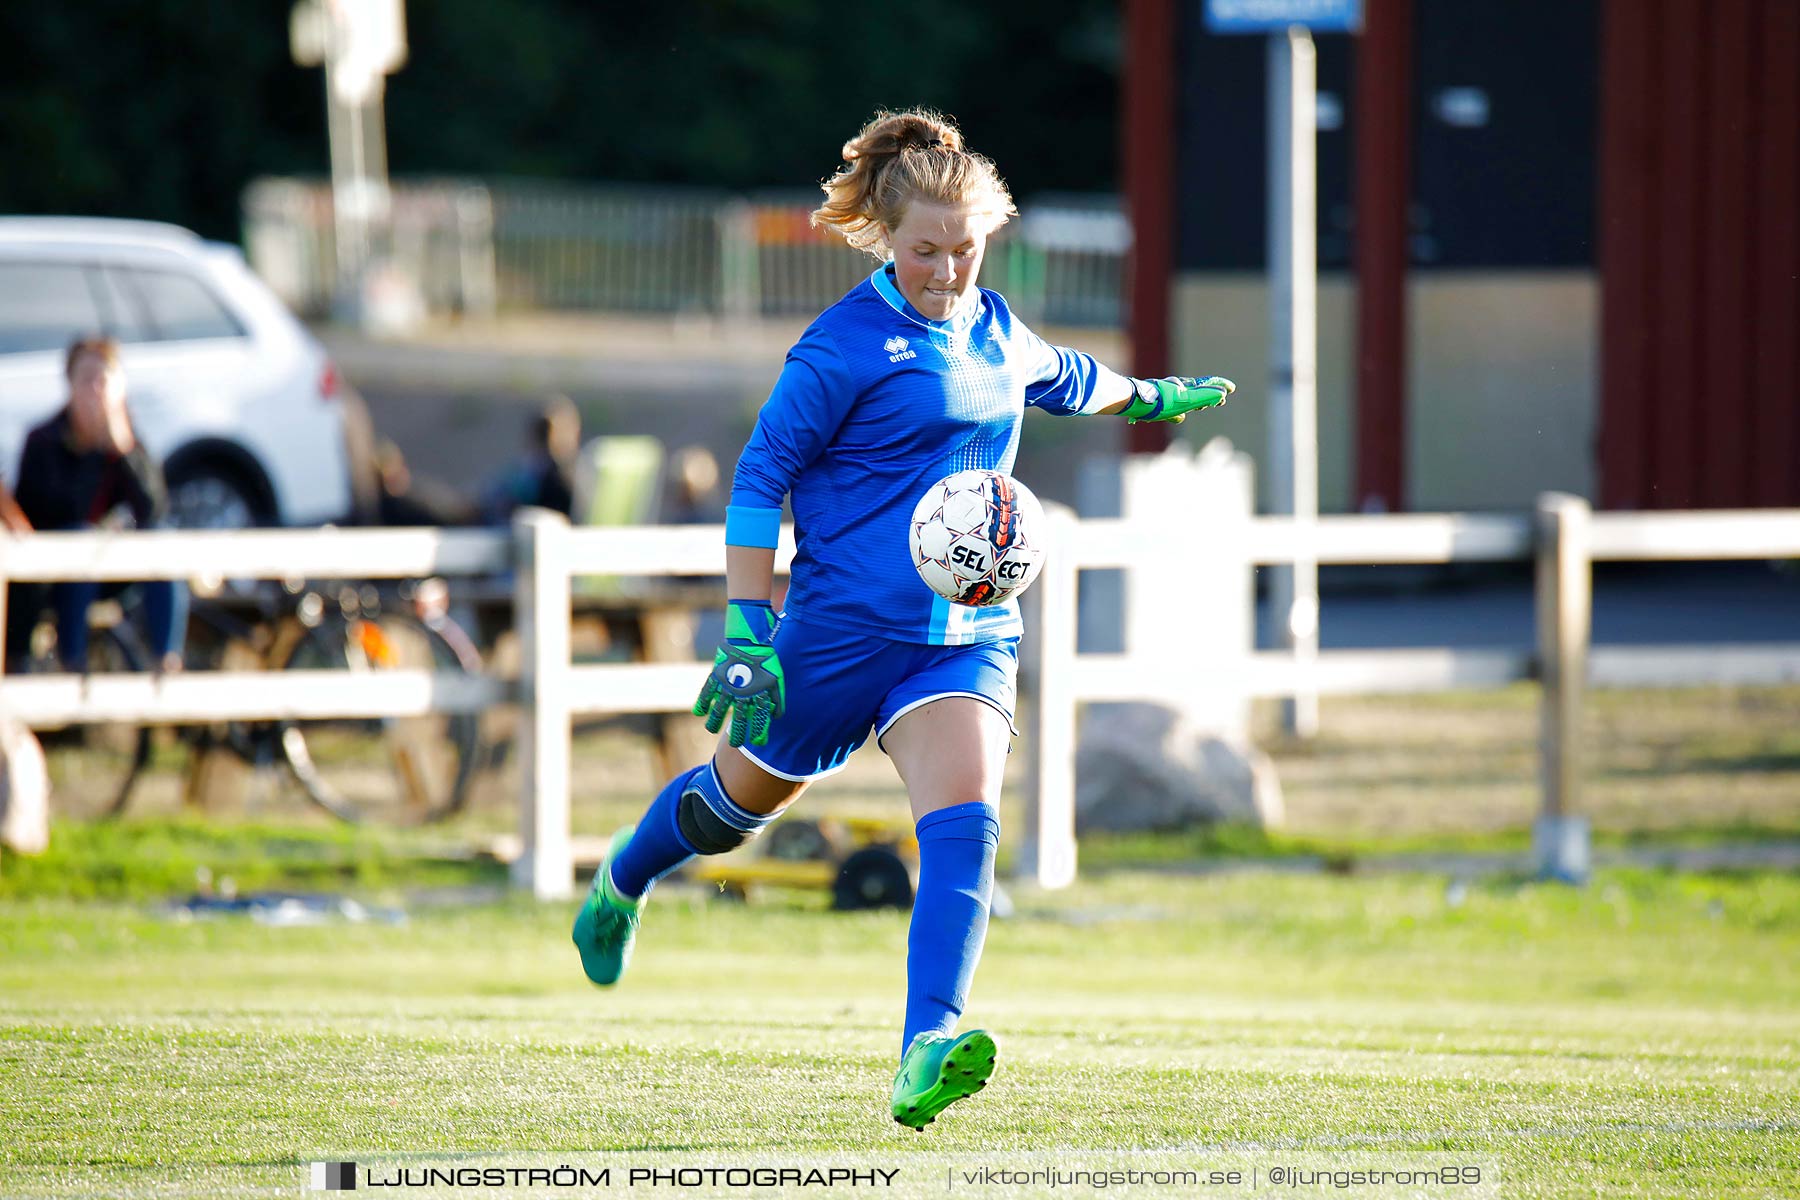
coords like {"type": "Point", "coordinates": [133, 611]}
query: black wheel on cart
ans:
{"type": "Point", "coordinates": [873, 877]}
{"type": "Point", "coordinates": [800, 840]}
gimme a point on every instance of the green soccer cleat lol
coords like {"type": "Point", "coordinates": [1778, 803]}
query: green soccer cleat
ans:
{"type": "Point", "coordinates": [937, 1070]}
{"type": "Point", "coordinates": [607, 925]}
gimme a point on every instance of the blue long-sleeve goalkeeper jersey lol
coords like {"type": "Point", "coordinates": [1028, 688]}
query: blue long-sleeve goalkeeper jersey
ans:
{"type": "Point", "coordinates": [874, 404]}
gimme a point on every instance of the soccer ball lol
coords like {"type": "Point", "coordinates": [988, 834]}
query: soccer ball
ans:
{"type": "Point", "coordinates": [977, 537]}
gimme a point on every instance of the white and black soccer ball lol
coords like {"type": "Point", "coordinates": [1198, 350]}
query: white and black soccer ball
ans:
{"type": "Point", "coordinates": [977, 537]}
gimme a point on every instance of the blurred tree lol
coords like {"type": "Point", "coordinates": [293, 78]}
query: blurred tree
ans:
{"type": "Point", "coordinates": [159, 109]}
{"type": "Point", "coordinates": [749, 93]}
{"type": "Point", "coordinates": [167, 108]}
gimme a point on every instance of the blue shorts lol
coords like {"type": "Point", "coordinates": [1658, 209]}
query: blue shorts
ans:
{"type": "Point", "coordinates": [841, 685]}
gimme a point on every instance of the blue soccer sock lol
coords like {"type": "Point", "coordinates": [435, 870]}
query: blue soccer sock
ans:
{"type": "Point", "coordinates": [656, 846]}
{"type": "Point", "coordinates": [950, 914]}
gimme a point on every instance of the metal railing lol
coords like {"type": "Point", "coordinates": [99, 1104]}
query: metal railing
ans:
{"type": "Point", "coordinates": [475, 248]}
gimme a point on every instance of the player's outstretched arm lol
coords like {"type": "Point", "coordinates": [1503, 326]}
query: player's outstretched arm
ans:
{"type": "Point", "coordinates": [1172, 399]}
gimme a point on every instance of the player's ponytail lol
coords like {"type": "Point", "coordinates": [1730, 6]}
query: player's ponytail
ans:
{"type": "Point", "coordinates": [899, 158]}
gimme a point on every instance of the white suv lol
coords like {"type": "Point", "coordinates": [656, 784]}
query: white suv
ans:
{"type": "Point", "coordinates": [250, 420]}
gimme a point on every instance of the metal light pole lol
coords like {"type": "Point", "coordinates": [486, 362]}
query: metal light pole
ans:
{"type": "Point", "coordinates": [1293, 356]}
{"type": "Point", "coordinates": [358, 42]}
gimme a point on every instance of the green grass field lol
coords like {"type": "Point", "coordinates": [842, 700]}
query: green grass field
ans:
{"type": "Point", "coordinates": [1638, 1037]}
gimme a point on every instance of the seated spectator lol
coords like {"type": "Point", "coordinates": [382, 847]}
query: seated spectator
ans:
{"type": "Point", "coordinates": [543, 477]}
{"type": "Point", "coordinates": [695, 496]}
{"type": "Point", "coordinates": [408, 499]}
{"type": "Point", "coordinates": [85, 469]}
{"type": "Point", "coordinates": [12, 517]}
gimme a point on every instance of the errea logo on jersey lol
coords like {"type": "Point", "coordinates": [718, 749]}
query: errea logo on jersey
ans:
{"type": "Point", "coordinates": [897, 351]}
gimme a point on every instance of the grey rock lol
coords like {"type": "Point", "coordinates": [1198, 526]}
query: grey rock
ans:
{"type": "Point", "coordinates": [24, 790]}
{"type": "Point", "coordinates": [1148, 767]}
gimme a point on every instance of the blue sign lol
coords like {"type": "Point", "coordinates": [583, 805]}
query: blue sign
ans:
{"type": "Point", "coordinates": [1272, 16]}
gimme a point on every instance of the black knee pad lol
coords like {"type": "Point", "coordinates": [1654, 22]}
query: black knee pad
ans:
{"type": "Point", "coordinates": [703, 828]}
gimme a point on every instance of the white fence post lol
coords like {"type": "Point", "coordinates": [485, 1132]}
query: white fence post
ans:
{"type": "Point", "coordinates": [1221, 606]}
{"type": "Point", "coordinates": [477, 276]}
{"type": "Point", "coordinates": [1564, 611]}
{"type": "Point", "coordinates": [740, 276]}
{"type": "Point", "coordinates": [1049, 851]}
{"type": "Point", "coordinates": [1206, 570]}
{"type": "Point", "coordinates": [541, 612]}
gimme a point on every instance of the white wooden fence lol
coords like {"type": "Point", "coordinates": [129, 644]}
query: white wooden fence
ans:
{"type": "Point", "coordinates": [552, 689]}
{"type": "Point", "coordinates": [51, 700]}
{"type": "Point", "coordinates": [543, 552]}
{"type": "Point", "coordinates": [1565, 538]}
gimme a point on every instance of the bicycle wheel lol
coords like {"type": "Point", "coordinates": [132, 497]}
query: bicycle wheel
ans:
{"type": "Point", "coordinates": [402, 769]}
{"type": "Point", "coordinates": [231, 764]}
{"type": "Point", "coordinates": [94, 766]}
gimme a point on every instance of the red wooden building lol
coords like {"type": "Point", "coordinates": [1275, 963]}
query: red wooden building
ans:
{"type": "Point", "coordinates": [1646, 149]}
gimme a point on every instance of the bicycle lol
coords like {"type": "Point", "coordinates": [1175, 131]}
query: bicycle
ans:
{"type": "Point", "coordinates": [349, 766]}
{"type": "Point", "coordinates": [103, 759]}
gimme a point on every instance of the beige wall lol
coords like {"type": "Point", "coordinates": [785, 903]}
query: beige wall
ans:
{"type": "Point", "coordinates": [1503, 382]}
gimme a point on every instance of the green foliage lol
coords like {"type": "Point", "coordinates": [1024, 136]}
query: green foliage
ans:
{"type": "Point", "coordinates": [167, 108]}
{"type": "Point", "coordinates": [162, 110]}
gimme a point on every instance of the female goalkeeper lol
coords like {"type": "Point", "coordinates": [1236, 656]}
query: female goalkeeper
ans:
{"type": "Point", "coordinates": [915, 374]}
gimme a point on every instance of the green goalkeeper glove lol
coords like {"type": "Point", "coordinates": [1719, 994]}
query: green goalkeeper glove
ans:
{"type": "Point", "coordinates": [746, 678]}
{"type": "Point", "coordinates": [1173, 399]}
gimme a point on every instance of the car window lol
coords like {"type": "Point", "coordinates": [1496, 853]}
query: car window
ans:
{"type": "Point", "coordinates": [44, 306]}
{"type": "Point", "coordinates": [123, 312]}
{"type": "Point", "coordinates": [181, 308]}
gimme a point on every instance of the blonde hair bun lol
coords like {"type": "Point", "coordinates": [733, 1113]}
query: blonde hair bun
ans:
{"type": "Point", "coordinates": [898, 158]}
